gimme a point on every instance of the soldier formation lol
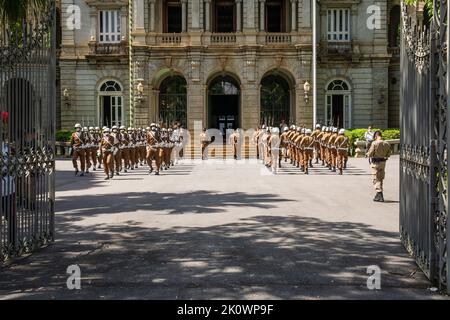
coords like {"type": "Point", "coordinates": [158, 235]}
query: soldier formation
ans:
{"type": "Point", "coordinates": [120, 149]}
{"type": "Point", "coordinates": [302, 146]}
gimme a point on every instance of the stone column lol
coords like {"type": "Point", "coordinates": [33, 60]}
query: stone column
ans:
{"type": "Point", "coordinates": [94, 18]}
{"type": "Point", "coordinates": [293, 15]}
{"type": "Point", "coordinates": [208, 15]}
{"type": "Point", "coordinates": [262, 15]}
{"type": "Point", "coordinates": [139, 14]}
{"type": "Point", "coordinates": [152, 15]}
{"type": "Point", "coordinates": [183, 15]}
{"type": "Point", "coordinates": [238, 15]}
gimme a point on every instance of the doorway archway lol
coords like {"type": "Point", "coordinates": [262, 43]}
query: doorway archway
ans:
{"type": "Point", "coordinates": [224, 103]}
{"type": "Point", "coordinates": [338, 108]}
{"type": "Point", "coordinates": [275, 103]}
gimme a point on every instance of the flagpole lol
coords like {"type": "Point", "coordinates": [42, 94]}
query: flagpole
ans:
{"type": "Point", "coordinates": [314, 64]}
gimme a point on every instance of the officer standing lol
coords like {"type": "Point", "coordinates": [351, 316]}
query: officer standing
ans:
{"type": "Point", "coordinates": [204, 141]}
{"type": "Point", "coordinates": [379, 153]}
{"type": "Point", "coordinates": [107, 149]}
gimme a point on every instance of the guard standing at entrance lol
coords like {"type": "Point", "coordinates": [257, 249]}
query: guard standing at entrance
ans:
{"type": "Point", "coordinates": [379, 153]}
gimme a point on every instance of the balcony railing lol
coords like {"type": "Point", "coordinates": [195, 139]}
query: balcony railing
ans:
{"type": "Point", "coordinates": [395, 51]}
{"type": "Point", "coordinates": [338, 48]}
{"type": "Point", "coordinates": [108, 49]}
{"type": "Point", "coordinates": [169, 39]}
{"type": "Point", "coordinates": [224, 38]}
{"type": "Point", "coordinates": [278, 38]}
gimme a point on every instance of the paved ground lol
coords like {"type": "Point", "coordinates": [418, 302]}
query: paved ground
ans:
{"type": "Point", "coordinates": [221, 230]}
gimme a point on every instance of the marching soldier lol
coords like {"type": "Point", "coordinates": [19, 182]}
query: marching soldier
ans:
{"type": "Point", "coordinates": [332, 150]}
{"type": "Point", "coordinates": [176, 138]}
{"type": "Point", "coordinates": [98, 139]}
{"type": "Point", "coordinates": [124, 148]}
{"type": "Point", "coordinates": [94, 147]}
{"type": "Point", "coordinates": [87, 148]}
{"type": "Point", "coordinates": [204, 141]}
{"type": "Point", "coordinates": [284, 145]}
{"type": "Point", "coordinates": [342, 145]}
{"type": "Point", "coordinates": [315, 136]}
{"type": "Point", "coordinates": [379, 153]}
{"type": "Point", "coordinates": [107, 147]}
{"type": "Point", "coordinates": [298, 151]}
{"type": "Point", "coordinates": [255, 138]}
{"type": "Point", "coordinates": [142, 146]}
{"type": "Point", "coordinates": [77, 142]}
{"type": "Point", "coordinates": [132, 148]}
{"type": "Point", "coordinates": [116, 153]}
{"type": "Point", "coordinates": [235, 143]}
{"type": "Point", "coordinates": [274, 149]}
{"type": "Point", "coordinates": [326, 136]}
{"type": "Point", "coordinates": [165, 144]}
{"type": "Point", "coordinates": [307, 146]}
{"type": "Point", "coordinates": [154, 152]}
{"type": "Point", "coordinates": [290, 138]}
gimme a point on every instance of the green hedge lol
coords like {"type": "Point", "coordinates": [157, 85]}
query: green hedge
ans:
{"type": "Point", "coordinates": [358, 135]}
{"type": "Point", "coordinates": [63, 135]}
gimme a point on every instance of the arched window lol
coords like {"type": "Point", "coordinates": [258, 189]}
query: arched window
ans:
{"type": "Point", "coordinates": [338, 104]}
{"type": "Point", "coordinates": [275, 100]}
{"type": "Point", "coordinates": [111, 104]}
{"type": "Point", "coordinates": [173, 101]}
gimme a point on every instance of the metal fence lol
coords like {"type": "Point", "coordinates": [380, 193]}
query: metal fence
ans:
{"type": "Point", "coordinates": [423, 164]}
{"type": "Point", "coordinates": [27, 133]}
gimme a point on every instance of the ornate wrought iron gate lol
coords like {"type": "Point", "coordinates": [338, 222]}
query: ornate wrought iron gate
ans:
{"type": "Point", "coordinates": [27, 133]}
{"type": "Point", "coordinates": [424, 223]}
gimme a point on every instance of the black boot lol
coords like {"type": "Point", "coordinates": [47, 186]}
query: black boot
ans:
{"type": "Point", "coordinates": [378, 197]}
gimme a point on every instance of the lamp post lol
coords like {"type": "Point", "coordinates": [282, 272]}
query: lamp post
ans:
{"type": "Point", "coordinates": [306, 89]}
{"type": "Point", "coordinates": [314, 63]}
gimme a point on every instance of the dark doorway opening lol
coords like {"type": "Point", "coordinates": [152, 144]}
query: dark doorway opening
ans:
{"type": "Point", "coordinates": [224, 16]}
{"type": "Point", "coordinates": [338, 110]}
{"type": "Point", "coordinates": [107, 111]}
{"type": "Point", "coordinates": [224, 104]}
{"type": "Point", "coordinates": [173, 17]}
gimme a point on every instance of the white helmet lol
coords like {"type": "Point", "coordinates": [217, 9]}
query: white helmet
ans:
{"type": "Point", "coordinates": [293, 127]}
{"type": "Point", "coordinates": [115, 128]}
{"type": "Point", "coordinates": [275, 130]}
{"type": "Point", "coordinates": [78, 125]}
{"type": "Point", "coordinates": [286, 129]}
{"type": "Point", "coordinates": [85, 129]}
{"type": "Point", "coordinates": [153, 125]}
{"type": "Point", "coordinates": [97, 128]}
{"type": "Point", "coordinates": [106, 130]}
{"type": "Point", "coordinates": [335, 130]}
{"type": "Point", "coordinates": [308, 131]}
{"type": "Point", "coordinates": [148, 128]}
{"type": "Point", "coordinates": [318, 126]}
{"type": "Point", "coordinates": [130, 129]}
{"type": "Point", "coordinates": [303, 130]}
{"type": "Point", "coordinates": [91, 128]}
{"type": "Point", "coordinates": [324, 128]}
{"type": "Point", "coordinates": [342, 131]}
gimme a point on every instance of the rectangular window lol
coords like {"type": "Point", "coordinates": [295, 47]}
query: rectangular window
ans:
{"type": "Point", "coordinates": [338, 21]}
{"type": "Point", "coordinates": [225, 17]}
{"type": "Point", "coordinates": [109, 26]}
{"type": "Point", "coordinates": [173, 17]}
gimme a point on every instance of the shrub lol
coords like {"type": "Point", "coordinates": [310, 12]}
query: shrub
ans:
{"type": "Point", "coordinates": [63, 135]}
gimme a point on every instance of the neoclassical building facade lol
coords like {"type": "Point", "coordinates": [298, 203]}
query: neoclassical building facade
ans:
{"type": "Point", "coordinates": [227, 63]}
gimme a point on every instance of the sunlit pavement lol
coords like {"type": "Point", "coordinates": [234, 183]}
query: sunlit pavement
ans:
{"type": "Point", "coordinates": [222, 230]}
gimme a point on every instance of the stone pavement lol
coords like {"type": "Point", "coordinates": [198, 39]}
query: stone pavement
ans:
{"type": "Point", "coordinates": [222, 230]}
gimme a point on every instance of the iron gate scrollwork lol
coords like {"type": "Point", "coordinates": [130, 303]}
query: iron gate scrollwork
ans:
{"type": "Point", "coordinates": [424, 224]}
{"type": "Point", "coordinates": [27, 132]}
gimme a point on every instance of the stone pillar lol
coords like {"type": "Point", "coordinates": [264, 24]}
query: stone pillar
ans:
{"type": "Point", "coordinates": [152, 15]}
{"type": "Point", "coordinates": [183, 15]}
{"type": "Point", "coordinates": [293, 15]}
{"type": "Point", "coordinates": [262, 15]}
{"type": "Point", "coordinates": [238, 15]}
{"type": "Point", "coordinates": [208, 15]}
{"type": "Point", "coordinates": [138, 14]}
{"type": "Point", "coordinates": [94, 18]}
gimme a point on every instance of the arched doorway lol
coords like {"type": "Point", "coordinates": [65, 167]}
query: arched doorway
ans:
{"type": "Point", "coordinates": [275, 102]}
{"type": "Point", "coordinates": [338, 111]}
{"type": "Point", "coordinates": [173, 101]}
{"type": "Point", "coordinates": [111, 104]}
{"type": "Point", "coordinates": [224, 103]}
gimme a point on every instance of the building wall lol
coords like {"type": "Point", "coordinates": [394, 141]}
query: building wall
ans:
{"type": "Point", "coordinates": [248, 59]}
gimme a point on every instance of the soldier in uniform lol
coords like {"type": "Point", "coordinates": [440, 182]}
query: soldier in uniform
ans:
{"type": "Point", "coordinates": [274, 149]}
{"type": "Point", "coordinates": [124, 148]}
{"type": "Point", "coordinates": [143, 146]}
{"type": "Point", "coordinates": [107, 148]}
{"type": "Point", "coordinates": [316, 135]}
{"type": "Point", "coordinates": [234, 140]}
{"type": "Point", "coordinates": [87, 148]}
{"type": "Point", "coordinates": [379, 153]}
{"type": "Point", "coordinates": [342, 145]}
{"type": "Point", "coordinates": [298, 151]}
{"type": "Point", "coordinates": [332, 150]}
{"type": "Point", "coordinates": [154, 152]}
{"type": "Point", "coordinates": [255, 139]}
{"type": "Point", "coordinates": [307, 146]}
{"type": "Point", "coordinates": [204, 141]}
{"type": "Point", "coordinates": [132, 147]}
{"type": "Point", "coordinates": [290, 138]}
{"type": "Point", "coordinates": [116, 152]}
{"type": "Point", "coordinates": [326, 154]}
{"type": "Point", "coordinates": [284, 145]}
{"type": "Point", "coordinates": [165, 148]}
{"type": "Point", "coordinates": [77, 142]}
{"type": "Point", "coordinates": [95, 145]}
{"type": "Point", "coordinates": [99, 135]}
{"type": "Point", "coordinates": [176, 139]}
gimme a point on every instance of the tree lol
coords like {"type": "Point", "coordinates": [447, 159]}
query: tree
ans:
{"type": "Point", "coordinates": [13, 11]}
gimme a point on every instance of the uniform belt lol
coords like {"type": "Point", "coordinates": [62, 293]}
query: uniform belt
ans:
{"type": "Point", "coordinates": [377, 160]}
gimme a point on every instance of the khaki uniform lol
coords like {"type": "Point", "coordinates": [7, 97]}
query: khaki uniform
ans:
{"type": "Point", "coordinates": [77, 143]}
{"type": "Point", "coordinates": [298, 150]}
{"type": "Point", "coordinates": [124, 150]}
{"type": "Point", "coordinates": [235, 143]}
{"type": "Point", "coordinates": [317, 134]}
{"type": "Point", "coordinates": [274, 147]}
{"type": "Point", "coordinates": [255, 139]}
{"type": "Point", "coordinates": [379, 152]}
{"type": "Point", "coordinates": [307, 145]}
{"type": "Point", "coordinates": [284, 146]}
{"type": "Point", "coordinates": [342, 145]}
{"type": "Point", "coordinates": [116, 155]}
{"type": "Point", "coordinates": [107, 149]}
{"type": "Point", "coordinates": [332, 153]}
{"type": "Point", "coordinates": [154, 151]}
{"type": "Point", "coordinates": [204, 141]}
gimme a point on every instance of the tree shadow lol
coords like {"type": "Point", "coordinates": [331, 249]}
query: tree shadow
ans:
{"type": "Point", "coordinates": [277, 257]}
